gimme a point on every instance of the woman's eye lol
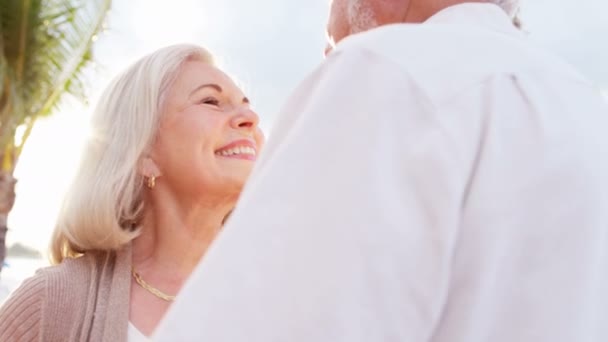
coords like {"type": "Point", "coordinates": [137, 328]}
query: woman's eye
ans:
{"type": "Point", "coordinates": [210, 101]}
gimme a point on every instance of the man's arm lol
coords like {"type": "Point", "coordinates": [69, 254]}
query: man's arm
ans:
{"type": "Point", "coordinates": [346, 229]}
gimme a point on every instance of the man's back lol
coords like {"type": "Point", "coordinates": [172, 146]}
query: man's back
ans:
{"type": "Point", "coordinates": [435, 182]}
{"type": "Point", "coordinates": [530, 260]}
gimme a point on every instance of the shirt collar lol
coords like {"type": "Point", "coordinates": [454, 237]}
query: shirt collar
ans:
{"type": "Point", "coordinates": [486, 15]}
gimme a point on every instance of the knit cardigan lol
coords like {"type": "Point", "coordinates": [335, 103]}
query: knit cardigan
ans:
{"type": "Point", "coordinates": [81, 299]}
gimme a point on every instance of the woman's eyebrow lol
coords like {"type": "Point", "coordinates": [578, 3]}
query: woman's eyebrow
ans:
{"type": "Point", "coordinates": [208, 85]}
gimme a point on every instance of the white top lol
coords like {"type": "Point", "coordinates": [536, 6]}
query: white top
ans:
{"type": "Point", "coordinates": [439, 182]}
{"type": "Point", "coordinates": [134, 335]}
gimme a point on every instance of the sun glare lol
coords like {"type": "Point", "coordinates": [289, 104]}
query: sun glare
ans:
{"type": "Point", "coordinates": [45, 168]}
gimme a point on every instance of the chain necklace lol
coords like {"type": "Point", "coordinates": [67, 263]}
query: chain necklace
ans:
{"type": "Point", "coordinates": [158, 293]}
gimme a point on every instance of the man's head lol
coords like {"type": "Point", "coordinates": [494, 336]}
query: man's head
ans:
{"type": "Point", "coordinates": [348, 17]}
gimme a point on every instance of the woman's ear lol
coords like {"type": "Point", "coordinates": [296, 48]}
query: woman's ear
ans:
{"type": "Point", "coordinates": [148, 168]}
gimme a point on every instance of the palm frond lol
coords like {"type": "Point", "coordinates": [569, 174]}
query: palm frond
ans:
{"type": "Point", "coordinates": [44, 46]}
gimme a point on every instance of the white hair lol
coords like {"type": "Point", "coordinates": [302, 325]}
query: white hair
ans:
{"type": "Point", "coordinates": [103, 208]}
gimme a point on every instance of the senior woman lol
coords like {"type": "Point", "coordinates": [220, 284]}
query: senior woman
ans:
{"type": "Point", "coordinates": [174, 140]}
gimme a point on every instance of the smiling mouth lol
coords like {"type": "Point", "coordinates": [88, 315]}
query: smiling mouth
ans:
{"type": "Point", "coordinates": [237, 151]}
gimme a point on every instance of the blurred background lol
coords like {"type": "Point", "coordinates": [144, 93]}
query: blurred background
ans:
{"type": "Point", "coordinates": [268, 45]}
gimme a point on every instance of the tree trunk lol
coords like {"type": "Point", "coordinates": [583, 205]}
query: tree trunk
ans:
{"type": "Point", "coordinates": [7, 199]}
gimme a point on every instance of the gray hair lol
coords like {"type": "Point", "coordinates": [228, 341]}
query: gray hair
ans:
{"type": "Point", "coordinates": [104, 204]}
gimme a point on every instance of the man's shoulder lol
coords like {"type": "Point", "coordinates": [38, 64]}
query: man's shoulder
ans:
{"type": "Point", "coordinates": [413, 40]}
{"type": "Point", "coordinates": [447, 58]}
{"type": "Point", "coordinates": [447, 48]}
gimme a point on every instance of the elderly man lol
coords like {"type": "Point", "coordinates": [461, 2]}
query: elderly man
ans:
{"type": "Point", "coordinates": [439, 179]}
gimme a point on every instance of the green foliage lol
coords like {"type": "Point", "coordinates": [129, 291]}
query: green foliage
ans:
{"type": "Point", "coordinates": [45, 45]}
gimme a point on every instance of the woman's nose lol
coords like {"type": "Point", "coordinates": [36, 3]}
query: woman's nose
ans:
{"type": "Point", "coordinates": [245, 119]}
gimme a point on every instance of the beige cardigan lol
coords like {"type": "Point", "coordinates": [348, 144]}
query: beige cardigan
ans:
{"type": "Point", "coordinates": [82, 299]}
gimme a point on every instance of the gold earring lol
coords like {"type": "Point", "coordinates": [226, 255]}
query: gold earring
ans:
{"type": "Point", "coordinates": [151, 182]}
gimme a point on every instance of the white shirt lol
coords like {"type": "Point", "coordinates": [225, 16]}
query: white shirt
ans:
{"type": "Point", "coordinates": [442, 182]}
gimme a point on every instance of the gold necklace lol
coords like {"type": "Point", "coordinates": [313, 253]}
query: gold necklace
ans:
{"type": "Point", "coordinates": [158, 293]}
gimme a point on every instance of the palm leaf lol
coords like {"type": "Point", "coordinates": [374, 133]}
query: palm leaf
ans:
{"type": "Point", "coordinates": [45, 45]}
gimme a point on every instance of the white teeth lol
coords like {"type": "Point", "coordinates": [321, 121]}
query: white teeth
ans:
{"type": "Point", "coordinates": [237, 150]}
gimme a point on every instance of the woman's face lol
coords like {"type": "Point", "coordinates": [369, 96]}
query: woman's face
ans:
{"type": "Point", "coordinates": [209, 137]}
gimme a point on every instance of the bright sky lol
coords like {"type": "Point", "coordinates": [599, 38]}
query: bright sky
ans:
{"type": "Point", "coordinates": [269, 45]}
